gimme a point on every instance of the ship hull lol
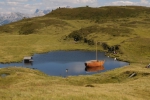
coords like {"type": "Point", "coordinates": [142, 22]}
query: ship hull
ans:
{"type": "Point", "coordinates": [94, 63]}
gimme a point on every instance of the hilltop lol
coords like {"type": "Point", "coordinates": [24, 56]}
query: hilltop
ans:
{"type": "Point", "coordinates": [108, 12]}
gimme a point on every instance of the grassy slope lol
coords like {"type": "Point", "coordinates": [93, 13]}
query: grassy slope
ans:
{"type": "Point", "coordinates": [47, 33]}
{"type": "Point", "coordinates": [23, 83]}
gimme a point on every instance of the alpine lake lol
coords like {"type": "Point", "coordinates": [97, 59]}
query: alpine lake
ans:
{"type": "Point", "coordinates": [68, 63]}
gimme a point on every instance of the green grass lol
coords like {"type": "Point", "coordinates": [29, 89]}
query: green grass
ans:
{"type": "Point", "coordinates": [24, 83]}
{"type": "Point", "coordinates": [110, 12]}
{"type": "Point", "coordinates": [16, 46]}
{"type": "Point", "coordinates": [52, 32]}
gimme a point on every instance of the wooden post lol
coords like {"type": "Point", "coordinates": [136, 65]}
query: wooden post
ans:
{"type": "Point", "coordinates": [66, 72]}
{"type": "Point", "coordinates": [132, 75]}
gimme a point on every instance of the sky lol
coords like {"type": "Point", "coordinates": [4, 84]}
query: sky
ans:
{"type": "Point", "coordinates": [29, 6]}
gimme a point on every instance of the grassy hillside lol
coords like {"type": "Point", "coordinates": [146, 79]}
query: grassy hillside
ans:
{"type": "Point", "coordinates": [110, 12]}
{"type": "Point", "coordinates": [124, 29]}
{"type": "Point", "coordinates": [23, 83]}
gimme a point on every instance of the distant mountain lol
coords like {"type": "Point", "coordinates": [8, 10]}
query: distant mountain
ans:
{"type": "Point", "coordinates": [6, 18]}
{"type": "Point", "coordinates": [39, 12]}
{"type": "Point", "coordinates": [11, 17]}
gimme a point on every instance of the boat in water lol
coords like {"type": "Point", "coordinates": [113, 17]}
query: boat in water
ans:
{"type": "Point", "coordinates": [95, 63]}
{"type": "Point", "coordinates": [94, 69]}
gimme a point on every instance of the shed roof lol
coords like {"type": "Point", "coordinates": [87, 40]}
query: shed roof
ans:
{"type": "Point", "coordinates": [27, 58]}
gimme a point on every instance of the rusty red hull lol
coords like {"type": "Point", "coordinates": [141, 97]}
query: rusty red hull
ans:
{"type": "Point", "coordinates": [94, 63]}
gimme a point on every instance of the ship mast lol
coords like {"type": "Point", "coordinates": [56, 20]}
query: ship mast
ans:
{"type": "Point", "coordinates": [96, 51]}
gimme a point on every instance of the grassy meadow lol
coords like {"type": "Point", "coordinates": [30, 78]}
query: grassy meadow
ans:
{"type": "Point", "coordinates": [57, 31]}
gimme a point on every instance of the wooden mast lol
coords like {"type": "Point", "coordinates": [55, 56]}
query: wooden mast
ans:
{"type": "Point", "coordinates": [96, 51]}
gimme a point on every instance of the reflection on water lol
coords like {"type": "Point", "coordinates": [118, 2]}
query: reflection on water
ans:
{"type": "Point", "coordinates": [55, 63]}
{"type": "Point", "coordinates": [28, 63]}
{"type": "Point", "coordinates": [94, 69]}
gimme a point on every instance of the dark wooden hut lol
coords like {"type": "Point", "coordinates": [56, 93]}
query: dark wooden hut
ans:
{"type": "Point", "coordinates": [28, 59]}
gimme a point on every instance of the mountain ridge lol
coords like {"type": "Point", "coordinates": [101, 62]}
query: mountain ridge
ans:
{"type": "Point", "coordinates": [6, 18]}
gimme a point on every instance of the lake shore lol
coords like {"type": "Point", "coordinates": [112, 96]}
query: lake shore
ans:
{"type": "Point", "coordinates": [29, 83]}
{"type": "Point", "coordinates": [56, 62]}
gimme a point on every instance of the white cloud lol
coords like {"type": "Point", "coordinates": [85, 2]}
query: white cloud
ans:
{"type": "Point", "coordinates": [1, 3]}
{"type": "Point", "coordinates": [123, 3]}
{"type": "Point", "coordinates": [71, 1]}
{"type": "Point", "coordinates": [131, 2]}
{"type": "Point", "coordinates": [12, 3]}
{"type": "Point", "coordinates": [144, 1]}
{"type": "Point", "coordinates": [85, 1]}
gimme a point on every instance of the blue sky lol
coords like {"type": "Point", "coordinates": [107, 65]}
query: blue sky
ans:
{"type": "Point", "coordinates": [29, 6]}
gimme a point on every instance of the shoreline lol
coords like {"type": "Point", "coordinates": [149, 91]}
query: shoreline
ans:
{"type": "Point", "coordinates": [44, 52]}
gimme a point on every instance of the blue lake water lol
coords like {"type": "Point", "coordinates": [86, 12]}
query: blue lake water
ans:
{"type": "Point", "coordinates": [66, 63]}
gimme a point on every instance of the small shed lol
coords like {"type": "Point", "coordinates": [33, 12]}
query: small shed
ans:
{"type": "Point", "coordinates": [28, 59]}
